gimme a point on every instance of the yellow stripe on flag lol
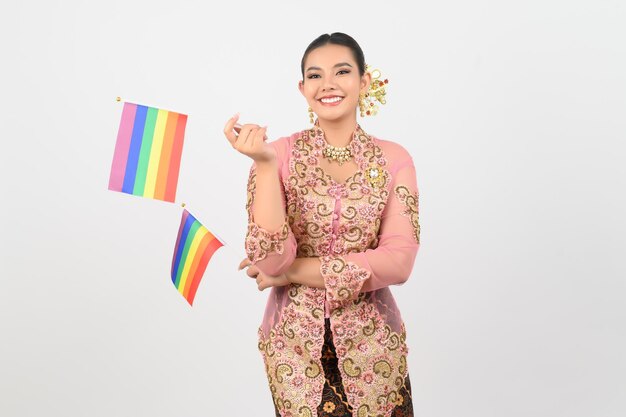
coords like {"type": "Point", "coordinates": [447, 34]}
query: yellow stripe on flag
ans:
{"type": "Point", "coordinates": [155, 153]}
{"type": "Point", "coordinates": [193, 252]}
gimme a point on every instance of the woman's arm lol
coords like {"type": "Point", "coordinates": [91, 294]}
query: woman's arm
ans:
{"type": "Point", "coordinates": [306, 271]}
{"type": "Point", "coordinates": [270, 243]}
{"type": "Point", "coordinates": [269, 240]}
{"type": "Point", "coordinates": [268, 209]}
{"type": "Point", "coordinates": [390, 263]}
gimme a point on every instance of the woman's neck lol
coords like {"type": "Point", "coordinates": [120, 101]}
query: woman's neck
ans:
{"type": "Point", "coordinates": [338, 133]}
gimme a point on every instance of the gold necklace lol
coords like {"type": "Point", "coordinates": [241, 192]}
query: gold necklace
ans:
{"type": "Point", "coordinates": [340, 155]}
{"type": "Point", "coordinates": [334, 153]}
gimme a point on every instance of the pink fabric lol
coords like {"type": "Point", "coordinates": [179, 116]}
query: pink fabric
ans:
{"type": "Point", "coordinates": [366, 233]}
{"type": "Point", "coordinates": [391, 262]}
{"type": "Point", "coordinates": [272, 251]}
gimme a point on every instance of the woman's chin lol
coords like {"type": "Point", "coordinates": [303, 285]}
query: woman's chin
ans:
{"type": "Point", "coordinates": [332, 115]}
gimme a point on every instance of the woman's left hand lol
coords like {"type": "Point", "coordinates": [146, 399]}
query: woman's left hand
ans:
{"type": "Point", "coordinates": [262, 279]}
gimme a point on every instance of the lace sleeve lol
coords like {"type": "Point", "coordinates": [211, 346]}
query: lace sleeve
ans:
{"type": "Point", "coordinates": [391, 262]}
{"type": "Point", "coordinates": [272, 251]}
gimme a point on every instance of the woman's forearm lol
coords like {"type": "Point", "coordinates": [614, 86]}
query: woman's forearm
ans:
{"type": "Point", "coordinates": [306, 271]}
{"type": "Point", "coordinates": [268, 208]}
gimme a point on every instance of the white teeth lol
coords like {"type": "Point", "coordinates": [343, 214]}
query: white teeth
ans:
{"type": "Point", "coordinates": [331, 100]}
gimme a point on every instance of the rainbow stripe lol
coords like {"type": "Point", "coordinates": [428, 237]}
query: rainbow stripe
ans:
{"type": "Point", "coordinates": [147, 153]}
{"type": "Point", "coordinates": [194, 247]}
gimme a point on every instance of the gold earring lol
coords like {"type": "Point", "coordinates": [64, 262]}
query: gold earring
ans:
{"type": "Point", "coordinates": [361, 104]}
{"type": "Point", "coordinates": [310, 114]}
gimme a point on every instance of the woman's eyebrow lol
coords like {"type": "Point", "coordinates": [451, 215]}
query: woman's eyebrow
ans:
{"type": "Point", "coordinates": [341, 64]}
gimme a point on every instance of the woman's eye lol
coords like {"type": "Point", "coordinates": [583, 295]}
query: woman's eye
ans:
{"type": "Point", "coordinates": [338, 72]}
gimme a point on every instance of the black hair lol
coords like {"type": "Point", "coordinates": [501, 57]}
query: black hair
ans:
{"type": "Point", "coordinates": [336, 38]}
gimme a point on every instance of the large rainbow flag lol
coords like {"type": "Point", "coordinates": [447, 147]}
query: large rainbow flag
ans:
{"type": "Point", "coordinates": [147, 153]}
{"type": "Point", "coordinates": [194, 247]}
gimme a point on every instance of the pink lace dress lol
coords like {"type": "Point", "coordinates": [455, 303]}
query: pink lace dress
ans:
{"type": "Point", "coordinates": [366, 233]}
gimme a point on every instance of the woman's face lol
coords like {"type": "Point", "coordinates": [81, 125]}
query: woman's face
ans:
{"type": "Point", "coordinates": [331, 71]}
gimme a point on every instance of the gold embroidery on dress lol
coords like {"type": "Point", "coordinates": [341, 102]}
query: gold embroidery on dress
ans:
{"type": "Point", "coordinates": [361, 201]}
{"type": "Point", "coordinates": [293, 370]}
{"type": "Point", "coordinates": [375, 175]}
{"type": "Point", "coordinates": [259, 242]}
{"type": "Point", "coordinates": [372, 357]}
{"type": "Point", "coordinates": [411, 201]}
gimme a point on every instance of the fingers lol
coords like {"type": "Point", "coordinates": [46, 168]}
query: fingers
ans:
{"type": "Point", "coordinates": [262, 281]}
{"type": "Point", "coordinates": [237, 128]}
{"type": "Point", "coordinates": [242, 137]}
{"type": "Point", "coordinates": [245, 140]}
{"type": "Point", "coordinates": [252, 271]}
{"type": "Point", "coordinates": [233, 131]}
{"type": "Point", "coordinates": [228, 129]}
{"type": "Point", "coordinates": [259, 136]}
{"type": "Point", "coordinates": [245, 262]}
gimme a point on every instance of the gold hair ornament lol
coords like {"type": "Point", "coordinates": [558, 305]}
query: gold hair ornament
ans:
{"type": "Point", "coordinates": [376, 92]}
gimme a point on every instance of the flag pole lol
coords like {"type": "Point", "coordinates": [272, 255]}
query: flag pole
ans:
{"type": "Point", "coordinates": [166, 108]}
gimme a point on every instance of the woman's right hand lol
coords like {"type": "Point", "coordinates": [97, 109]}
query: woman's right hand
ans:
{"type": "Point", "coordinates": [251, 140]}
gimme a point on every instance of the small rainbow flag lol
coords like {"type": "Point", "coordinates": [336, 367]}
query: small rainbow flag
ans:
{"type": "Point", "coordinates": [194, 247]}
{"type": "Point", "coordinates": [147, 153]}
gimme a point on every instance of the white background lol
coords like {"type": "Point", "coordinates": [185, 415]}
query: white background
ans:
{"type": "Point", "coordinates": [514, 112]}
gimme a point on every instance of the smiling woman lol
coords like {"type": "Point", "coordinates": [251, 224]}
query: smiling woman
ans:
{"type": "Point", "coordinates": [332, 224]}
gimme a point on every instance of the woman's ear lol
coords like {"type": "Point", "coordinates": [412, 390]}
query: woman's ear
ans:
{"type": "Point", "coordinates": [366, 80]}
{"type": "Point", "coordinates": [301, 87]}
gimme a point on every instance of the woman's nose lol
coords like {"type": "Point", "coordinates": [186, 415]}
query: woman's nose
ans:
{"type": "Point", "coordinates": [329, 84]}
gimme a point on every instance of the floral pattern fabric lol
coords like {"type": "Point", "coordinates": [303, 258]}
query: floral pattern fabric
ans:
{"type": "Point", "coordinates": [334, 401]}
{"type": "Point", "coordinates": [261, 244]}
{"type": "Point", "coordinates": [365, 232]}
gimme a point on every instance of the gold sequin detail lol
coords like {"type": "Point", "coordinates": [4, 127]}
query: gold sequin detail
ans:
{"type": "Point", "coordinates": [332, 219]}
{"type": "Point", "coordinates": [411, 201]}
{"type": "Point", "coordinates": [375, 176]}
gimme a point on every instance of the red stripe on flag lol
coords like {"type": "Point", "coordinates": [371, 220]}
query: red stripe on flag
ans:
{"type": "Point", "coordinates": [177, 149]}
{"type": "Point", "coordinates": [206, 257]}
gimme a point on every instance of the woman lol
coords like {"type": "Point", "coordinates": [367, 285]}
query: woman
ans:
{"type": "Point", "coordinates": [332, 223]}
